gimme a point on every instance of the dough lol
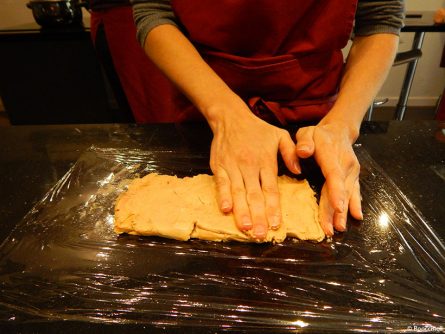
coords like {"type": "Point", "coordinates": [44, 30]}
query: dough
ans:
{"type": "Point", "coordinates": [184, 208]}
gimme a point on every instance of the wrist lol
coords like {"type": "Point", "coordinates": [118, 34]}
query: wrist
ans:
{"type": "Point", "coordinates": [224, 111]}
{"type": "Point", "coordinates": [351, 128]}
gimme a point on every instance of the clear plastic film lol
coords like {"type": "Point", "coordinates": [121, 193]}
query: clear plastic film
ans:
{"type": "Point", "coordinates": [64, 262]}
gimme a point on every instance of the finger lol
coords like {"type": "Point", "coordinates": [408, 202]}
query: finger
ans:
{"type": "Point", "coordinates": [344, 187]}
{"type": "Point", "coordinates": [240, 207]}
{"type": "Point", "coordinates": [326, 213]}
{"type": "Point", "coordinates": [287, 149]}
{"type": "Point", "coordinates": [271, 197]}
{"type": "Point", "coordinates": [223, 191]}
{"type": "Point", "coordinates": [355, 203]}
{"type": "Point", "coordinates": [305, 142]}
{"type": "Point", "coordinates": [255, 201]}
{"type": "Point", "coordinates": [352, 188]}
{"type": "Point", "coordinates": [335, 183]}
{"type": "Point", "coordinates": [339, 220]}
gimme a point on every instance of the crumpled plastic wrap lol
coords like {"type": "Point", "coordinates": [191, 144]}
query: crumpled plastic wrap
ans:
{"type": "Point", "coordinates": [64, 262]}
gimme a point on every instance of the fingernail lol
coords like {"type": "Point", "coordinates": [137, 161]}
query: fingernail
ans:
{"type": "Point", "coordinates": [225, 206]}
{"type": "Point", "coordinates": [303, 148]}
{"type": "Point", "coordinates": [259, 231]}
{"type": "Point", "coordinates": [275, 222]}
{"type": "Point", "coordinates": [246, 223]}
{"type": "Point", "coordinates": [361, 215]}
{"type": "Point", "coordinates": [297, 167]}
{"type": "Point", "coordinates": [343, 224]}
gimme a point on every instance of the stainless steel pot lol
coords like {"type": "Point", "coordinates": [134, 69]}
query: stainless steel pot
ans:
{"type": "Point", "coordinates": [53, 13]}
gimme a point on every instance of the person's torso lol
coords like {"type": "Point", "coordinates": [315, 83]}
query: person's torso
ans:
{"type": "Point", "coordinates": [261, 28]}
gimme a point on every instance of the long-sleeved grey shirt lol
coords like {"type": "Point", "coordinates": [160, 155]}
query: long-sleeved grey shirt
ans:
{"type": "Point", "coordinates": [372, 16]}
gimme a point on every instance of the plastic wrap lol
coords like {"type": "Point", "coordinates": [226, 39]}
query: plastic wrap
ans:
{"type": "Point", "coordinates": [64, 262]}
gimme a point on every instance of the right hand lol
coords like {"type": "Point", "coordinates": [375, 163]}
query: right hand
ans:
{"type": "Point", "coordinates": [243, 158]}
{"type": "Point", "coordinates": [330, 143]}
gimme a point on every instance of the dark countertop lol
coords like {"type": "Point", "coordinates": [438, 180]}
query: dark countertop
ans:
{"type": "Point", "coordinates": [33, 158]}
{"type": "Point", "coordinates": [411, 156]}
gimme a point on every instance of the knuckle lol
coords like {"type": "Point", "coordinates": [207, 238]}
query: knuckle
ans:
{"type": "Point", "coordinates": [300, 134]}
{"type": "Point", "coordinates": [254, 198]}
{"type": "Point", "coordinates": [303, 131]}
{"type": "Point", "coordinates": [238, 191]}
{"type": "Point", "coordinates": [270, 190]}
{"type": "Point", "coordinates": [257, 212]}
{"type": "Point", "coordinates": [273, 210]}
{"type": "Point", "coordinates": [259, 218]}
{"type": "Point", "coordinates": [221, 181]}
{"type": "Point", "coordinates": [246, 159]}
{"type": "Point", "coordinates": [240, 213]}
{"type": "Point", "coordinates": [284, 134]}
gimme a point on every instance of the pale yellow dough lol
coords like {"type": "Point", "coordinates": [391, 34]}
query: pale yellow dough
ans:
{"type": "Point", "coordinates": [184, 208]}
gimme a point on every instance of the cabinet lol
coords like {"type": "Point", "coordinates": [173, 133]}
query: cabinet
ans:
{"type": "Point", "coordinates": [53, 77]}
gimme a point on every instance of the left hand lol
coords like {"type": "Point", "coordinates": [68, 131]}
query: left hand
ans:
{"type": "Point", "coordinates": [331, 145]}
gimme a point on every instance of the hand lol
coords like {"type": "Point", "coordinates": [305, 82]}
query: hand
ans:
{"type": "Point", "coordinates": [331, 145]}
{"type": "Point", "coordinates": [243, 159]}
{"type": "Point", "coordinates": [439, 16]}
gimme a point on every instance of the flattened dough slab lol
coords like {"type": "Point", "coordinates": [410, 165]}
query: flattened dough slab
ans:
{"type": "Point", "coordinates": [184, 208]}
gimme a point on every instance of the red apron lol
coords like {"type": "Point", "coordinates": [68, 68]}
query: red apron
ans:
{"type": "Point", "coordinates": [282, 57]}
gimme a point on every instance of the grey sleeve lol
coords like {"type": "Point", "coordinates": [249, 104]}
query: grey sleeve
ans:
{"type": "Point", "coordinates": [149, 14]}
{"type": "Point", "coordinates": [378, 16]}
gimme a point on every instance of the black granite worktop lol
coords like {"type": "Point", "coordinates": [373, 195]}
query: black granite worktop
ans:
{"type": "Point", "coordinates": [415, 160]}
{"type": "Point", "coordinates": [33, 158]}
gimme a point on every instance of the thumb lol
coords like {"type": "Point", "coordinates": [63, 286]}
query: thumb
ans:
{"type": "Point", "coordinates": [305, 142]}
{"type": "Point", "coordinates": [287, 150]}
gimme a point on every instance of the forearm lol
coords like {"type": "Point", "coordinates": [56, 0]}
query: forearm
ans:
{"type": "Point", "coordinates": [367, 67]}
{"type": "Point", "coordinates": [176, 56]}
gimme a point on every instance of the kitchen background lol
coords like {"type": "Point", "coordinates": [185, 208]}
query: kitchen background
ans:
{"type": "Point", "coordinates": [429, 80]}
